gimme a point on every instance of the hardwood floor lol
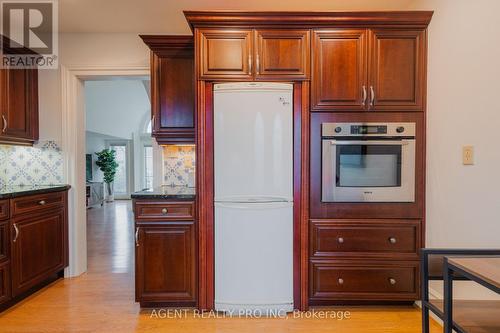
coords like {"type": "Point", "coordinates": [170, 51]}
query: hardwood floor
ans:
{"type": "Point", "coordinates": [102, 300]}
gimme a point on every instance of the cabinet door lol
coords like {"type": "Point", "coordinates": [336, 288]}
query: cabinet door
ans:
{"type": "Point", "coordinates": [339, 75]}
{"type": "Point", "coordinates": [166, 264]}
{"type": "Point", "coordinates": [19, 105]}
{"type": "Point", "coordinates": [397, 70]}
{"type": "Point", "coordinates": [224, 54]}
{"type": "Point", "coordinates": [4, 241]}
{"type": "Point", "coordinates": [282, 54]}
{"type": "Point", "coordinates": [173, 107]}
{"type": "Point", "coordinates": [5, 291]}
{"type": "Point", "coordinates": [38, 249]}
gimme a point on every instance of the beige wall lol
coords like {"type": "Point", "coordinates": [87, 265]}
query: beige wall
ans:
{"type": "Point", "coordinates": [463, 202]}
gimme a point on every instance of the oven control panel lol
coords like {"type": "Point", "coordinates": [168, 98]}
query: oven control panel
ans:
{"type": "Point", "coordinates": [368, 129]}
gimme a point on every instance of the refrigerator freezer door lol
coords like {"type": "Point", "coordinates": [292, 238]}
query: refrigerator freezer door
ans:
{"type": "Point", "coordinates": [254, 257]}
{"type": "Point", "coordinates": [253, 140]}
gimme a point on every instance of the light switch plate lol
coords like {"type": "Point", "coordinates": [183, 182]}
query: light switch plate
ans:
{"type": "Point", "coordinates": [468, 155]}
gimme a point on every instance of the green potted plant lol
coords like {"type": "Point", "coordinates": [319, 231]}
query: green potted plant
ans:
{"type": "Point", "coordinates": [106, 161]}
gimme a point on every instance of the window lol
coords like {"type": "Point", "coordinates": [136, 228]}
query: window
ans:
{"type": "Point", "coordinates": [148, 166]}
{"type": "Point", "coordinates": [121, 176]}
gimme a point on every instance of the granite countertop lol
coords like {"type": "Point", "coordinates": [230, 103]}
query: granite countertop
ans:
{"type": "Point", "coordinates": [20, 190]}
{"type": "Point", "coordinates": [166, 192]}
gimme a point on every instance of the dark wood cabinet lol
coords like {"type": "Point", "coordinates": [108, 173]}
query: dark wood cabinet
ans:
{"type": "Point", "coordinates": [5, 290]}
{"type": "Point", "coordinates": [166, 253]}
{"type": "Point", "coordinates": [38, 248]}
{"type": "Point", "coordinates": [19, 106]}
{"type": "Point", "coordinates": [340, 281]}
{"type": "Point", "coordinates": [224, 54]}
{"type": "Point", "coordinates": [282, 54]}
{"type": "Point", "coordinates": [397, 69]}
{"type": "Point", "coordinates": [172, 88]}
{"type": "Point", "coordinates": [33, 243]}
{"type": "Point", "coordinates": [166, 265]}
{"type": "Point", "coordinates": [4, 241]}
{"type": "Point", "coordinates": [339, 75]}
{"type": "Point", "coordinates": [368, 70]}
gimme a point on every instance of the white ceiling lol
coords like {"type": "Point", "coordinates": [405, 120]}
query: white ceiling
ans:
{"type": "Point", "coordinates": [165, 16]}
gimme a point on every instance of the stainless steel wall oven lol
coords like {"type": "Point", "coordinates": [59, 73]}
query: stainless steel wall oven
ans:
{"type": "Point", "coordinates": [368, 162]}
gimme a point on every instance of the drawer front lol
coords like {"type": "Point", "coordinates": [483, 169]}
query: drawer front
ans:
{"type": "Point", "coordinates": [164, 211]}
{"type": "Point", "coordinates": [398, 239]}
{"type": "Point", "coordinates": [363, 280]}
{"type": "Point", "coordinates": [4, 209]}
{"type": "Point", "coordinates": [36, 203]}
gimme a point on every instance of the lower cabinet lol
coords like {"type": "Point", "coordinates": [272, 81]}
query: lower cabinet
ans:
{"type": "Point", "coordinates": [364, 260]}
{"type": "Point", "coordinates": [38, 249]}
{"type": "Point", "coordinates": [358, 280]}
{"type": "Point", "coordinates": [5, 293]}
{"type": "Point", "coordinates": [166, 264]}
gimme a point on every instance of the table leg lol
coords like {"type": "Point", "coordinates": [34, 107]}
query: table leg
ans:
{"type": "Point", "coordinates": [448, 297]}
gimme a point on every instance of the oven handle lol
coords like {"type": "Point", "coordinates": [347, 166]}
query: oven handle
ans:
{"type": "Point", "coordinates": [372, 142]}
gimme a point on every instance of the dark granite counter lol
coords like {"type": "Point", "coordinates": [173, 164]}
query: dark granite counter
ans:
{"type": "Point", "coordinates": [167, 193]}
{"type": "Point", "coordinates": [18, 191]}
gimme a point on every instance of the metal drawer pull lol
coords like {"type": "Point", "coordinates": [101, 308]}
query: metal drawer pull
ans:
{"type": "Point", "coordinates": [137, 236]}
{"type": "Point", "coordinates": [16, 229]}
{"type": "Point", "coordinates": [341, 281]}
{"type": "Point", "coordinates": [364, 96]}
{"type": "Point", "coordinates": [164, 211]}
{"type": "Point", "coordinates": [392, 281]}
{"type": "Point", "coordinates": [250, 65]}
{"type": "Point", "coordinates": [41, 202]}
{"type": "Point", "coordinates": [392, 240]}
{"type": "Point", "coordinates": [340, 240]}
{"type": "Point", "coordinates": [4, 124]}
{"type": "Point", "coordinates": [372, 98]}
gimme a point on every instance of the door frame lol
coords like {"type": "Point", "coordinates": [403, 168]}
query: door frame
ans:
{"type": "Point", "coordinates": [73, 147]}
{"type": "Point", "coordinates": [130, 164]}
{"type": "Point", "coordinates": [205, 194]}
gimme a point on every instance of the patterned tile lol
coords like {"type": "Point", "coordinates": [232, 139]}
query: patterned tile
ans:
{"type": "Point", "coordinates": [41, 164]}
{"type": "Point", "coordinates": [178, 162]}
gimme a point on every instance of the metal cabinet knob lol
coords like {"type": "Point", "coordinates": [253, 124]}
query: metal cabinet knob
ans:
{"type": "Point", "coordinates": [340, 240]}
{"type": "Point", "coordinates": [164, 211]}
{"type": "Point", "coordinates": [392, 281]}
{"type": "Point", "coordinates": [341, 281]}
{"type": "Point", "coordinates": [392, 240]}
{"type": "Point", "coordinates": [41, 202]}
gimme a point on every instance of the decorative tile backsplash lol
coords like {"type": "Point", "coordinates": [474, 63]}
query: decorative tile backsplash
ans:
{"type": "Point", "coordinates": [41, 164]}
{"type": "Point", "coordinates": [178, 164]}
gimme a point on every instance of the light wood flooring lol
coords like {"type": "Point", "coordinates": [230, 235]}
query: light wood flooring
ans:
{"type": "Point", "coordinates": [102, 300]}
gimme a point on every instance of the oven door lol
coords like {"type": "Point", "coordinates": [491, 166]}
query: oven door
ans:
{"type": "Point", "coordinates": [368, 170]}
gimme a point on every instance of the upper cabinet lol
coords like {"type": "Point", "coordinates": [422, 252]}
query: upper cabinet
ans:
{"type": "Point", "coordinates": [172, 88]}
{"type": "Point", "coordinates": [224, 54]}
{"type": "Point", "coordinates": [339, 74]}
{"type": "Point", "coordinates": [368, 69]}
{"type": "Point", "coordinates": [282, 54]}
{"type": "Point", "coordinates": [397, 69]}
{"type": "Point", "coordinates": [246, 54]}
{"type": "Point", "coordinates": [19, 106]}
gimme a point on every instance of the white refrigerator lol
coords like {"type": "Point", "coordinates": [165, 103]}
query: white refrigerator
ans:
{"type": "Point", "coordinates": [253, 148]}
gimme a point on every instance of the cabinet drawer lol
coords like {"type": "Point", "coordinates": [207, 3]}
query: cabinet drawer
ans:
{"type": "Point", "coordinates": [164, 211]}
{"type": "Point", "coordinates": [36, 203]}
{"type": "Point", "coordinates": [4, 209]}
{"type": "Point", "coordinates": [364, 280]}
{"type": "Point", "coordinates": [391, 238]}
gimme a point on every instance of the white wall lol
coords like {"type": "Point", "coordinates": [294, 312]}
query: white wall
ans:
{"type": "Point", "coordinates": [84, 50]}
{"type": "Point", "coordinates": [463, 203]}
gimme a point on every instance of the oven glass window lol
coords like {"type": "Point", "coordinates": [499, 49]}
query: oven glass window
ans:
{"type": "Point", "coordinates": [368, 165]}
